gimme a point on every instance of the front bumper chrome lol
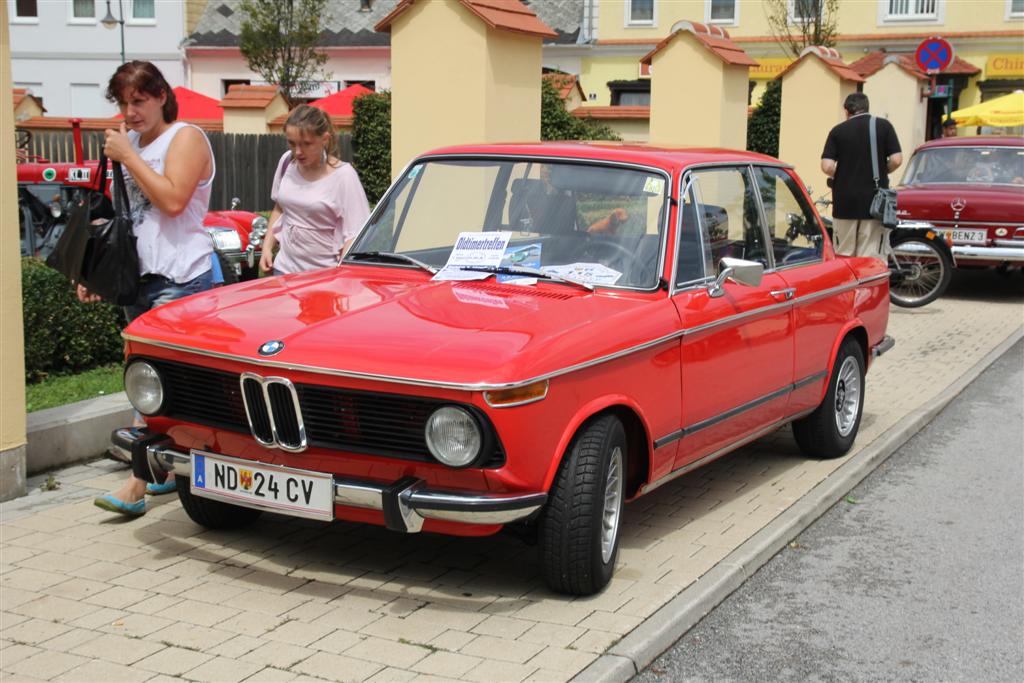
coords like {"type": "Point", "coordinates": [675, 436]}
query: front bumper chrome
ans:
{"type": "Point", "coordinates": [405, 503]}
{"type": "Point", "coordinates": [882, 346]}
{"type": "Point", "coordinates": [1005, 250]}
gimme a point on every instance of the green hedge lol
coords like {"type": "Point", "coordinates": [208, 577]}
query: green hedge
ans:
{"type": "Point", "coordinates": [763, 126]}
{"type": "Point", "coordinates": [61, 333]}
{"type": "Point", "coordinates": [556, 123]}
{"type": "Point", "coordinates": [371, 143]}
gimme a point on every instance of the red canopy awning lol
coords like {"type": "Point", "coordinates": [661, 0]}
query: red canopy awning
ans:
{"type": "Point", "coordinates": [193, 105]}
{"type": "Point", "coordinates": [340, 103]}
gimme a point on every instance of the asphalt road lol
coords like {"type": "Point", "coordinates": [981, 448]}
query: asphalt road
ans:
{"type": "Point", "coordinates": [918, 574]}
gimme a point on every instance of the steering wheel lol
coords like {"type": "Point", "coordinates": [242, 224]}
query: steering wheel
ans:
{"type": "Point", "coordinates": [596, 248]}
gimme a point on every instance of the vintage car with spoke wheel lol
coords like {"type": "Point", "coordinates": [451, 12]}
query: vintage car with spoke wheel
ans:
{"type": "Point", "coordinates": [522, 335]}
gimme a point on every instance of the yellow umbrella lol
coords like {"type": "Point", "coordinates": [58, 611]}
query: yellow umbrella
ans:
{"type": "Point", "coordinates": [1007, 110]}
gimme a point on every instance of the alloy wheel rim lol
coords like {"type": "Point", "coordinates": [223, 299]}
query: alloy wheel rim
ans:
{"type": "Point", "coordinates": [612, 505]}
{"type": "Point", "coordinates": [847, 396]}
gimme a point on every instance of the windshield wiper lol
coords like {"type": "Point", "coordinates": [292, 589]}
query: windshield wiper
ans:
{"type": "Point", "coordinates": [389, 256]}
{"type": "Point", "coordinates": [528, 272]}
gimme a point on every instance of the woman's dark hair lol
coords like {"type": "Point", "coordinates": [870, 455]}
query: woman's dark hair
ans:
{"type": "Point", "coordinates": [145, 78]}
{"type": "Point", "coordinates": [316, 122]}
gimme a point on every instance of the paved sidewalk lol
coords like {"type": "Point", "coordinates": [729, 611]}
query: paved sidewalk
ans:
{"type": "Point", "coordinates": [85, 596]}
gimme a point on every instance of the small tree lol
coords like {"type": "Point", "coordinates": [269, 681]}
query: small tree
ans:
{"type": "Point", "coordinates": [800, 23]}
{"type": "Point", "coordinates": [558, 124]}
{"type": "Point", "coordinates": [763, 126]}
{"type": "Point", "coordinates": [278, 40]}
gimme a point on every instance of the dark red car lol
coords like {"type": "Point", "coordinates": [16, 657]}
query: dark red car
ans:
{"type": "Point", "coordinates": [971, 189]}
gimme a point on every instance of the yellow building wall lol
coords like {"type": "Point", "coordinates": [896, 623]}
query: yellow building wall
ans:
{"type": "Point", "coordinates": [12, 342]}
{"type": "Point", "coordinates": [854, 17]}
{"type": "Point", "coordinates": [678, 71]}
{"type": "Point", "coordinates": [245, 121]}
{"type": "Point", "coordinates": [894, 94]}
{"type": "Point", "coordinates": [512, 87]}
{"type": "Point", "coordinates": [812, 103]}
{"type": "Point", "coordinates": [630, 130]}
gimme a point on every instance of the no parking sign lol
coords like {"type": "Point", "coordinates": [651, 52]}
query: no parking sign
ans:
{"type": "Point", "coordinates": [934, 55]}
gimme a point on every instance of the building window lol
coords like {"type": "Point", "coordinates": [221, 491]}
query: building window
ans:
{"type": "Point", "coordinates": [911, 9]}
{"type": "Point", "coordinates": [640, 12]}
{"type": "Point", "coordinates": [630, 93]}
{"type": "Point", "coordinates": [144, 9]}
{"type": "Point", "coordinates": [26, 9]}
{"type": "Point", "coordinates": [369, 85]}
{"type": "Point", "coordinates": [1015, 9]}
{"type": "Point", "coordinates": [226, 84]}
{"type": "Point", "coordinates": [83, 9]}
{"type": "Point", "coordinates": [365, 6]}
{"type": "Point", "coordinates": [801, 11]}
{"type": "Point", "coordinates": [722, 12]}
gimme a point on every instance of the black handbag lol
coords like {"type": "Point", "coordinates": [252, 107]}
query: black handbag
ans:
{"type": "Point", "coordinates": [883, 203]}
{"type": "Point", "coordinates": [102, 256]}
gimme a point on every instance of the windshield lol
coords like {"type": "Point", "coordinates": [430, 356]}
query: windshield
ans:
{"type": "Point", "coordinates": [992, 165]}
{"type": "Point", "coordinates": [602, 225]}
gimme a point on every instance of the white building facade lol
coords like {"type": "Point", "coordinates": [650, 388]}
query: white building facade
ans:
{"type": "Point", "coordinates": [63, 54]}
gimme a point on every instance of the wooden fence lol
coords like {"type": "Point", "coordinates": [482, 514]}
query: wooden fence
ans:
{"type": "Point", "coordinates": [245, 163]}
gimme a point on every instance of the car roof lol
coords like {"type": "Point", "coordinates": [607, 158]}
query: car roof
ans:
{"type": "Point", "coordinates": [976, 141]}
{"type": "Point", "coordinates": [668, 158]}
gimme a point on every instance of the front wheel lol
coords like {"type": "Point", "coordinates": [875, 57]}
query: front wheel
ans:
{"type": "Point", "coordinates": [920, 271]}
{"type": "Point", "coordinates": [579, 529]}
{"type": "Point", "coordinates": [831, 429]}
{"type": "Point", "coordinates": [213, 514]}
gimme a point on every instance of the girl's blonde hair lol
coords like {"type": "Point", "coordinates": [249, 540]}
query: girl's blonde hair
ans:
{"type": "Point", "coordinates": [316, 122]}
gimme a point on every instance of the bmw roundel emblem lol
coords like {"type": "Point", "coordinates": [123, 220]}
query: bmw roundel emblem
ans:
{"type": "Point", "coordinates": [271, 347]}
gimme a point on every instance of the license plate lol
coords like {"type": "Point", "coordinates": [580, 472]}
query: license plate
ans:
{"type": "Point", "coordinates": [298, 493]}
{"type": "Point", "coordinates": [961, 236]}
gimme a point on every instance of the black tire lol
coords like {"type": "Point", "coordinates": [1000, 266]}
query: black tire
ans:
{"type": "Point", "coordinates": [920, 271]}
{"type": "Point", "coordinates": [820, 435]}
{"type": "Point", "coordinates": [574, 545]}
{"type": "Point", "coordinates": [214, 514]}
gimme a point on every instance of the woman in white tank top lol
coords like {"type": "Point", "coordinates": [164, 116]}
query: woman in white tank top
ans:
{"type": "Point", "coordinates": [168, 168]}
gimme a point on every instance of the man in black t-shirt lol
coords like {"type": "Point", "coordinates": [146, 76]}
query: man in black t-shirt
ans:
{"type": "Point", "coordinates": [847, 159]}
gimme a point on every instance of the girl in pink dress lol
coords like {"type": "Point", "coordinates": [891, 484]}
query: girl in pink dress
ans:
{"type": "Point", "coordinates": [319, 205]}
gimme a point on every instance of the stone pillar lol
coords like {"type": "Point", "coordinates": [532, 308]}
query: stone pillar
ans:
{"type": "Point", "coordinates": [813, 90]}
{"type": "Point", "coordinates": [12, 342]}
{"type": "Point", "coordinates": [462, 72]}
{"type": "Point", "coordinates": [699, 85]}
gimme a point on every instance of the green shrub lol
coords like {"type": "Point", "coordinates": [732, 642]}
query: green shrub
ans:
{"type": "Point", "coordinates": [371, 143]}
{"type": "Point", "coordinates": [558, 124]}
{"type": "Point", "coordinates": [763, 126]}
{"type": "Point", "coordinates": [61, 333]}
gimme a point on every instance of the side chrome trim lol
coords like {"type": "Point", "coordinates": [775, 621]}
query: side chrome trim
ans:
{"type": "Point", "coordinates": [733, 412]}
{"type": "Point", "coordinates": [486, 386]}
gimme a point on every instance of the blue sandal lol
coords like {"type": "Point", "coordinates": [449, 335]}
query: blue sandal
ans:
{"type": "Point", "coordinates": [160, 489]}
{"type": "Point", "coordinates": [111, 504]}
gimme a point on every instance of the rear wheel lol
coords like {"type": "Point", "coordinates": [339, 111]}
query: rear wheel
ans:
{"type": "Point", "coordinates": [920, 271]}
{"type": "Point", "coordinates": [213, 514]}
{"type": "Point", "coordinates": [579, 530]}
{"type": "Point", "coordinates": [831, 429]}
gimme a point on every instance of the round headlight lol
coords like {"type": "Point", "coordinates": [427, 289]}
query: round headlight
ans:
{"type": "Point", "coordinates": [258, 227]}
{"type": "Point", "coordinates": [453, 436]}
{"type": "Point", "coordinates": [144, 387]}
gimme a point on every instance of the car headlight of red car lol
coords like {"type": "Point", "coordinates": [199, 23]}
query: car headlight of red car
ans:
{"type": "Point", "coordinates": [225, 239]}
{"type": "Point", "coordinates": [144, 386]}
{"type": "Point", "coordinates": [453, 436]}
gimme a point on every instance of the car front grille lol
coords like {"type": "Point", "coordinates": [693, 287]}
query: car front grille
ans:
{"type": "Point", "coordinates": [372, 423]}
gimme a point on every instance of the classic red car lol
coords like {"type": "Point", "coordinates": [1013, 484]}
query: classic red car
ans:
{"type": "Point", "coordinates": [523, 334]}
{"type": "Point", "coordinates": [971, 189]}
{"type": "Point", "coordinates": [47, 191]}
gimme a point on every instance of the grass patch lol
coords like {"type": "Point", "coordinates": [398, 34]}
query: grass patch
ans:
{"type": "Point", "coordinates": [58, 390]}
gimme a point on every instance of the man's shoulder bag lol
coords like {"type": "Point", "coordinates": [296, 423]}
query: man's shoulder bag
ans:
{"type": "Point", "coordinates": [883, 203]}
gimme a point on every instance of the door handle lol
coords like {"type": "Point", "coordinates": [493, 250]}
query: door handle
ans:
{"type": "Point", "coordinates": [784, 294]}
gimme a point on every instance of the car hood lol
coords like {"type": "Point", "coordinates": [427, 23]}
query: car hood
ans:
{"type": "Point", "coordinates": [977, 202]}
{"type": "Point", "coordinates": [398, 323]}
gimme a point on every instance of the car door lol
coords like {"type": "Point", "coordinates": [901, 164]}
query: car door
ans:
{"type": "Point", "coordinates": [737, 348]}
{"type": "Point", "coordinates": [817, 286]}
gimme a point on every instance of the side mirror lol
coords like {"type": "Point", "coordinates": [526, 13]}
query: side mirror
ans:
{"type": "Point", "coordinates": [235, 202]}
{"type": "Point", "coordinates": [747, 273]}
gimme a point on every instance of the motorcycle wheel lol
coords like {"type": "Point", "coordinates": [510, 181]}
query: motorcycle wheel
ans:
{"type": "Point", "coordinates": [920, 271]}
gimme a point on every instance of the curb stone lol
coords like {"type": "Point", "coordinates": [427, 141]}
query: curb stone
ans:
{"type": "Point", "coordinates": [658, 632]}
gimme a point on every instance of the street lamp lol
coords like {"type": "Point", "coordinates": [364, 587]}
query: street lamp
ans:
{"type": "Point", "coordinates": [110, 22]}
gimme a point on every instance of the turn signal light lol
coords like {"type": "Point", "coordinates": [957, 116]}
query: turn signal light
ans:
{"type": "Point", "coordinates": [506, 398]}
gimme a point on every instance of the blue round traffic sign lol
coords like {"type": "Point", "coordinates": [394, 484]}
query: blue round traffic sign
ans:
{"type": "Point", "coordinates": [934, 54]}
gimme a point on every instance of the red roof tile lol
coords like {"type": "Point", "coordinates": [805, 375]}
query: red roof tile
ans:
{"type": "Point", "coordinates": [504, 15]}
{"type": "Point", "coordinates": [845, 38]}
{"type": "Point", "coordinates": [714, 38]}
{"type": "Point", "coordinates": [873, 62]}
{"type": "Point", "coordinates": [829, 56]}
{"type": "Point", "coordinates": [616, 112]}
{"type": "Point", "coordinates": [249, 96]}
{"type": "Point", "coordinates": [565, 84]}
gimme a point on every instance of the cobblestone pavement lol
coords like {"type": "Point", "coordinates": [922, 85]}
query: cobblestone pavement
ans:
{"type": "Point", "coordinates": [87, 596]}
